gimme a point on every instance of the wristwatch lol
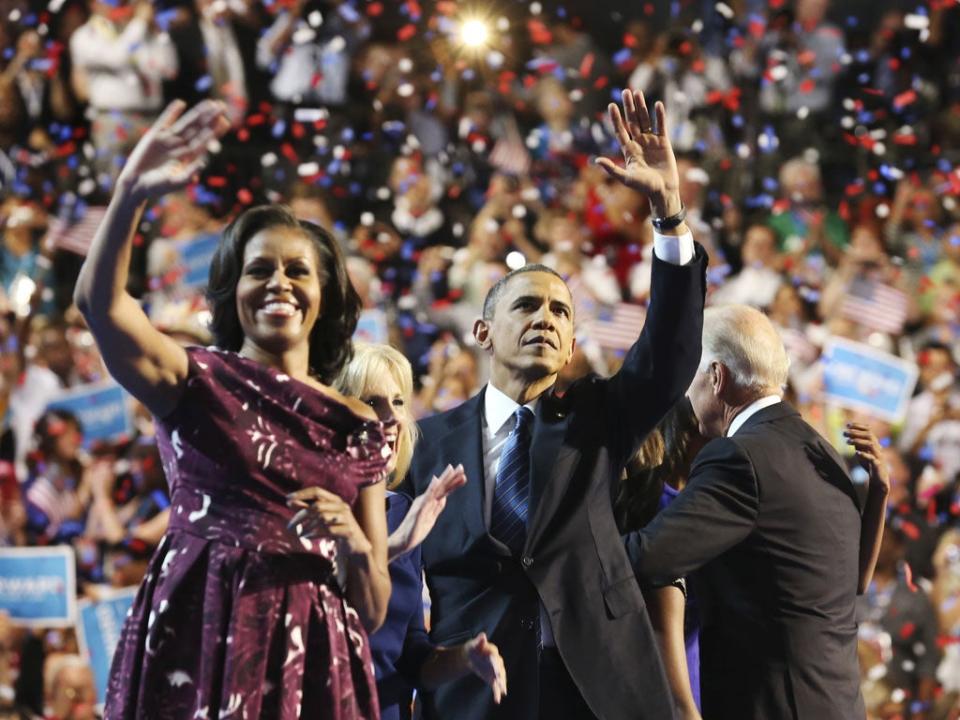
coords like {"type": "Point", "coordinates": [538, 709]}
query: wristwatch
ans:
{"type": "Point", "coordinates": [669, 223]}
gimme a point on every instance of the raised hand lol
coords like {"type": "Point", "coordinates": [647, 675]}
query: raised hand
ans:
{"type": "Point", "coordinates": [323, 514]}
{"type": "Point", "coordinates": [649, 163]}
{"type": "Point", "coordinates": [483, 659]}
{"type": "Point", "coordinates": [424, 511]}
{"type": "Point", "coordinates": [869, 453]}
{"type": "Point", "coordinates": [173, 150]}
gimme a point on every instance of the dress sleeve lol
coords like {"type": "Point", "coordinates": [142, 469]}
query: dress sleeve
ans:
{"type": "Point", "coordinates": [367, 445]}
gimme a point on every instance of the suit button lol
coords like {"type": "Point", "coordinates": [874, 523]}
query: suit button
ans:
{"type": "Point", "coordinates": [526, 624]}
{"type": "Point", "coordinates": [526, 561]}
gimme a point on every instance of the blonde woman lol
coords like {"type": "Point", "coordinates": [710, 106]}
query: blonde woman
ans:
{"type": "Point", "coordinates": [403, 655]}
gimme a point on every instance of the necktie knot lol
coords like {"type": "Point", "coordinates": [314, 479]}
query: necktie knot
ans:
{"type": "Point", "coordinates": [524, 416]}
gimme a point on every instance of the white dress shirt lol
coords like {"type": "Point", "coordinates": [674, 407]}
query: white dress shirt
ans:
{"type": "Point", "coordinates": [751, 409]}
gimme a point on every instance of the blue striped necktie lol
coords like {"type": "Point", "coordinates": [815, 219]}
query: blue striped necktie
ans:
{"type": "Point", "coordinates": [508, 517]}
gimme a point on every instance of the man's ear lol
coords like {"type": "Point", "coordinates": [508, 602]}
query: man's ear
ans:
{"type": "Point", "coordinates": [481, 333]}
{"type": "Point", "coordinates": [573, 349]}
{"type": "Point", "coordinates": [719, 377]}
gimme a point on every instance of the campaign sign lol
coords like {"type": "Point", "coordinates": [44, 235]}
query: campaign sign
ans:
{"type": "Point", "coordinates": [195, 258]}
{"type": "Point", "coordinates": [859, 377]}
{"type": "Point", "coordinates": [102, 410]}
{"type": "Point", "coordinates": [38, 586]}
{"type": "Point", "coordinates": [98, 630]}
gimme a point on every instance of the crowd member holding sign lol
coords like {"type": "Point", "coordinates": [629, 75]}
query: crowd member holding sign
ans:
{"type": "Point", "coordinates": [240, 613]}
{"type": "Point", "coordinates": [772, 517]}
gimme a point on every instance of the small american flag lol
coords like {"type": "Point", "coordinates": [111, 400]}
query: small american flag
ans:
{"type": "Point", "coordinates": [76, 234]}
{"type": "Point", "coordinates": [616, 327]}
{"type": "Point", "coordinates": [875, 305]}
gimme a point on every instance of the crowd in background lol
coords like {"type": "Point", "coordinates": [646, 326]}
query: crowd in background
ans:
{"type": "Point", "coordinates": [817, 147]}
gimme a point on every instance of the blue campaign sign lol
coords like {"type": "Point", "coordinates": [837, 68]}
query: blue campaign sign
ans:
{"type": "Point", "coordinates": [98, 630]}
{"type": "Point", "coordinates": [195, 257]}
{"type": "Point", "coordinates": [38, 586]}
{"type": "Point", "coordinates": [862, 378]}
{"type": "Point", "coordinates": [102, 410]}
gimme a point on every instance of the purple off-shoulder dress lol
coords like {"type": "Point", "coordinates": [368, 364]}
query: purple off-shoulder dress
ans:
{"type": "Point", "coordinates": [238, 617]}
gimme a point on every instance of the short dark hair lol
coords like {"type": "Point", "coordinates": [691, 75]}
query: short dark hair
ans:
{"type": "Point", "coordinates": [493, 295]}
{"type": "Point", "coordinates": [330, 338]}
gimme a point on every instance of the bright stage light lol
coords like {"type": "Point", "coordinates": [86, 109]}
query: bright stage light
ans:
{"type": "Point", "coordinates": [474, 33]}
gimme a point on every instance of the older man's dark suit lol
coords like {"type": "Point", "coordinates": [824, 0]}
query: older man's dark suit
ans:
{"type": "Point", "coordinates": [772, 517]}
{"type": "Point", "coordinates": [574, 559]}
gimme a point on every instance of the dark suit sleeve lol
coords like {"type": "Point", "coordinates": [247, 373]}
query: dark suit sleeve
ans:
{"type": "Point", "coordinates": [660, 365]}
{"type": "Point", "coordinates": [715, 511]}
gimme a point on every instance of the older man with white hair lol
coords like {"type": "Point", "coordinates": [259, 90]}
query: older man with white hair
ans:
{"type": "Point", "coordinates": [772, 524]}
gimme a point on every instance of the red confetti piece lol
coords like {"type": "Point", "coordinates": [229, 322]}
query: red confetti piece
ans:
{"type": "Point", "coordinates": [243, 134]}
{"type": "Point", "coordinates": [910, 530]}
{"type": "Point", "coordinates": [601, 82]}
{"type": "Point", "coordinates": [807, 86]}
{"type": "Point", "coordinates": [539, 34]}
{"type": "Point", "coordinates": [375, 9]}
{"type": "Point", "coordinates": [256, 119]}
{"type": "Point", "coordinates": [244, 196]}
{"type": "Point", "coordinates": [586, 65]}
{"type": "Point", "coordinates": [905, 98]}
{"type": "Point", "coordinates": [407, 32]}
{"type": "Point", "coordinates": [288, 152]}
{"type": "Point", "coordinates": [217, 181]}
{"type": "Point", "coordinates": [907, 629]}
{"type": "Point", "coordinates": [905, 139]}
{"type": "Point", "coordinates": [908, 576]}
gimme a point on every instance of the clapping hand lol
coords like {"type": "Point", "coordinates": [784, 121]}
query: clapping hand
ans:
{"type": "Point", "coordinates": [649, 163]}
{"type": "Point", "coordinates": [483, 659]}
{"type": "Point", "coordinates": [173, 150]}
{"type": "Point", "coordinates": [870, 454]}
{"type": "Point", "coordinates": [323, 514]}
{"type": "Point", "coordinates": [424, 511]}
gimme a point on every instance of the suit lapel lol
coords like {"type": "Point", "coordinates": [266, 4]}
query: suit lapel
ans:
{"type": "Point", "coordinates": [548, 477]}
{"type": "Point", "coordinates": [463, 442]}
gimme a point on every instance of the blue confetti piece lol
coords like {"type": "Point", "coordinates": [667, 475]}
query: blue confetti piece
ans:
{"type": "Point", "coordinates": [8, 53]}
{"type": "Point", "coordinates": [279, 127]}
{"type": "Point", "coordinates": [879, 188]}
{"type": "Point", "coordinates": [621, 56]}
{"type": "Point", "coordinates": [770, 184]}
{"type": "Point", "coordinates": [349, 13]}
{"type": "Point", "coordinates": [164, 18]}
{"type": "Point", "coordinates": [203, 83]}
{"type": "Point", "coordinates": [737, 120]}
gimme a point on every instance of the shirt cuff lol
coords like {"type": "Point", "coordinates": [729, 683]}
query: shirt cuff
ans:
{"type": "Point", "coordinates": [674, 249]}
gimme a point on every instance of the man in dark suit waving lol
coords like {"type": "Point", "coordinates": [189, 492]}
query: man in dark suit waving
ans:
{"type": "Point", "coordinates": [771, 518]}
{"type": "Point", "coordinates": [528, 552]}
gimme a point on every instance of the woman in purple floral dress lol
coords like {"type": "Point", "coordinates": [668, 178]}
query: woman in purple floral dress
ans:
{"type": "Point", "coordinates": [242, 615]}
